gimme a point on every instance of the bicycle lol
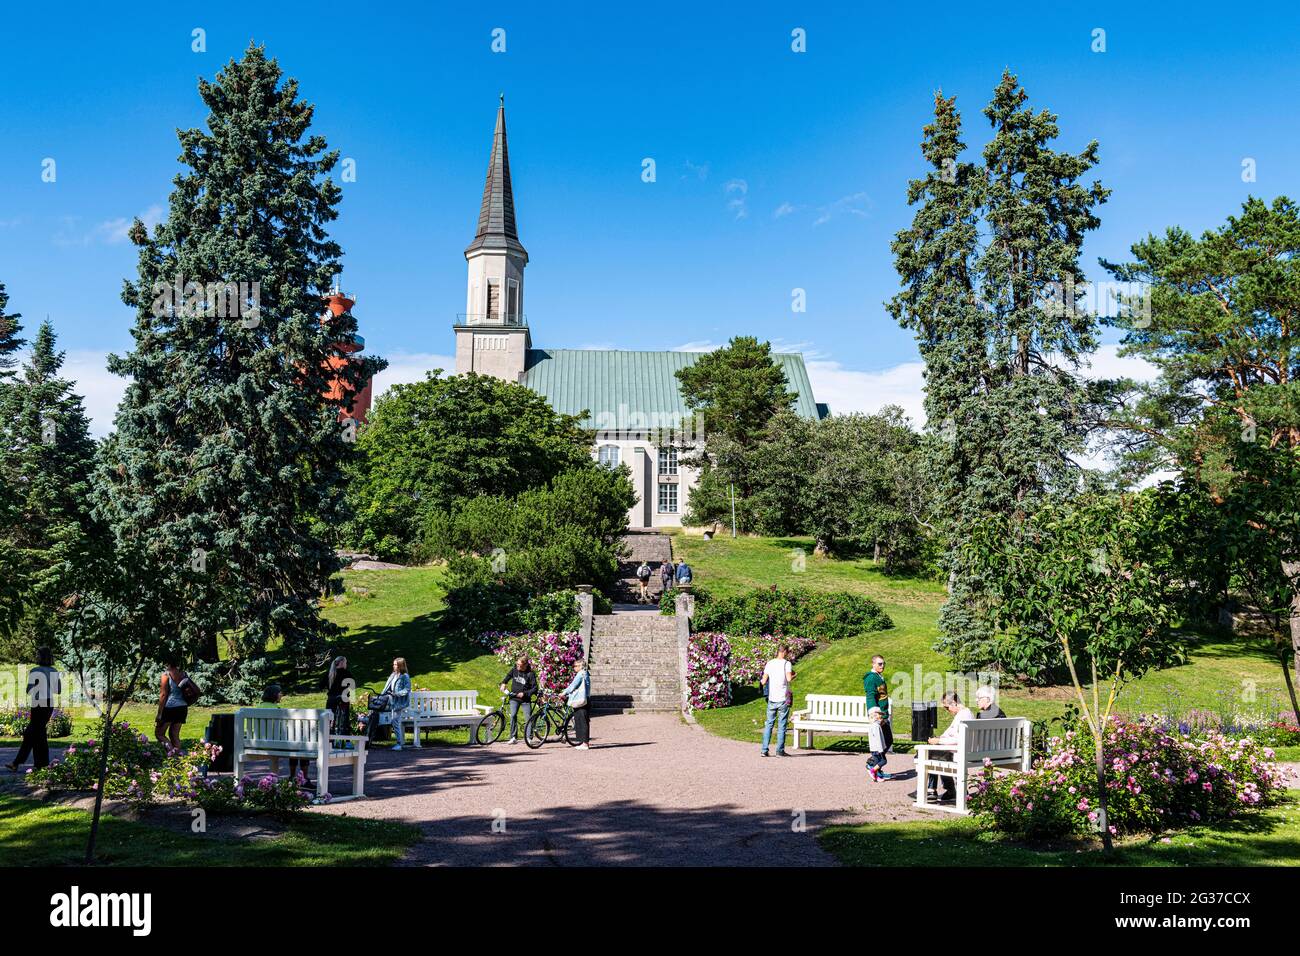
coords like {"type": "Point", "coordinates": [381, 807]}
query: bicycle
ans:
{"type": "Point", "coordinates": [550, 720]}
{"type": "Point", "coordinates": [492, 724]}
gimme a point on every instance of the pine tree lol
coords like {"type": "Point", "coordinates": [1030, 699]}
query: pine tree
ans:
{"type": "Point", "coordinates": [48, 464]}
{"type": "Point", "coordinates": [10, 343]}
{"type": "Point", "coordinates": [226, 469]}
{"type": "Point", "coordinates": [990, 278]}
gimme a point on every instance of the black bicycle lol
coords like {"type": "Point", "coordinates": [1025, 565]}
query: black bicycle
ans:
{"type": "Point", "coordinates": [492, 724]}
{"type": "Point", "coordinates": [550, 720]}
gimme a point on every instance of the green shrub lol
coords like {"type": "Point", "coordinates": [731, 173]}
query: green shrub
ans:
{"type": "Point", "coordinates": [793, 612]}
{"type": "Point", "coordinates": [668, 600]}
{"type": "Point", "coordinates": [481, 607]}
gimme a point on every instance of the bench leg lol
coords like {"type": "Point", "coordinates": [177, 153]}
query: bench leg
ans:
{"type": "Point", "coordinates": [796, 738]}
{"type": "Point", "coordinates": [961, 787]}
{"type": "Point", "coordinates": [323, 777]}
{"type": "Point", "coordinates": [359, 777]}
{"type": "Point", "coordinates": [920, 783]}
{"type": "Point", "coordinates": [415, 732]}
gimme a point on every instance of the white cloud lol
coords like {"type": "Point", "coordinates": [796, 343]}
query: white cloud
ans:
{"type": "Point", "coordinates": [784, 209]}
{"type": "Point", "coordinates": [111, 232]}
{"type": "Point", "coordinates": [100, 389]}
{"type": "Point", "coordinates": [404, 368]}
{"type": "Point", "coordinates": [854, 204]}
{"type": "Point", "coordinates": [853, 390]}
{"type": "Point", "coordinates": [703, 345]}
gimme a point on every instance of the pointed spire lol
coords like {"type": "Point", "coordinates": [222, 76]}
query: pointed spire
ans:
{"type": "Point", "coordinates": [496, 217]}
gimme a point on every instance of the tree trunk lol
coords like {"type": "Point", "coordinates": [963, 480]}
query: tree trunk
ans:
{"type": "Point", "coordinates": [210, 653]}
{"type": "Point", "coordinates": [875, 557]}
{"type": "Point", "coordinates": [1103, 816]}
{"type": "Point", "coordinates": [1291, 568]}
{"type": "Point", "coordinates": [103, 776]}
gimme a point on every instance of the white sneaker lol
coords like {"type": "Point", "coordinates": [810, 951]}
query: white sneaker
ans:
{"type": "Point", "coordinates": [582, 747]}
{"type": "Point", "coordinates": [397, 746]}
{"type": "Point", "coordinates": [512, 740]}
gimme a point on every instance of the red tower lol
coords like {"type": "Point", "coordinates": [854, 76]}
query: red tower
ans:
{"type": "Point", "coordinates": [338, 303]}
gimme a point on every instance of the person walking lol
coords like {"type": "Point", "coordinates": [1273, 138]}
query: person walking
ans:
{"type": "Point", "coordinates": [876, 759]}
{"type": "Point", "coordinates": [777, 675]}
{"type": "Point", "coordinates": [44, 686]}
{"type": "Point", "coordinates": [521, 684]}
{"type": "Point", "coordinates": [643, 582]}
{"type": "Point", "coordinates": [877, 692]}
{"type": "Point", "coordinates": [578, 694]}
{"type": "Point", "coordinates": [684, 574]}
{"type": "Point", "coordinates": [398, 688]}
{"type": "Point", "coordinates": [338, 695]}
{"type": "Point", "coordinates": [173, 709]}
{"type": "Point", "coordinates": [666, 571]}
{"type": "Point", "coordinates": [952, 704]}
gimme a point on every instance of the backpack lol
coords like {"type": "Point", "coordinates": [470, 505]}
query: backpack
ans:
{"type": "Point", "coordinates": [190, 691]}
{"type": "Point", "coordinates": [643, 572]}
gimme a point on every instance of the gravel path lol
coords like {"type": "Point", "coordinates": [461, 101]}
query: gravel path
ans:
{"type": "Point", "coordinates": [652, 791]}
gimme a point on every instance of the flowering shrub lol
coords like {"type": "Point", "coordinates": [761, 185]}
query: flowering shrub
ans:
{"type": "Point", "coordinates": [1158, 777]}
{"type": "Point", "coordinates": [708, 670]}
{"type": "Point", "coordinates": [750, 654]}
{"type": "Point", "coordinates": [13, 721]}
{"type": "Point", "coordinates": [793, 612]}
{"type": "Point", "coordinates": [141, 770]}
{"type": "Point", "coordinates": [554, 656]}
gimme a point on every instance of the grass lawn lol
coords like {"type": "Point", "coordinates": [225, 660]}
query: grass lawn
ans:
{"type": "Point", "coordinates": [1221, 671]}
{"type": "Point", "coordinates": [1268, 838]}
{"type": "Point", "coordinates": [33, 833]}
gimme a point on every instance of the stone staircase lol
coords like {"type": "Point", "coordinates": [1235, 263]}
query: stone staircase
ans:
{"type": "Point", "coordinates": [634, 663]}
{"type": "Point", "coordinates": [650, 547]}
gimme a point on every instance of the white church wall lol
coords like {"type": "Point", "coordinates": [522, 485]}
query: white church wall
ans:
{"type": "Point", "coordinates": [642, 457]}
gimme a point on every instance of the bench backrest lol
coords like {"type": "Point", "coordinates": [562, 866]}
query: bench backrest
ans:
{"type": "Point", "coordinates": [1001, 738]}
{"type": "Point", "coordinates": [273, 728]}
{"type": "Point", "coordinates": [444, 703]}
{"type": "Point", "coordinates": [837, 707]}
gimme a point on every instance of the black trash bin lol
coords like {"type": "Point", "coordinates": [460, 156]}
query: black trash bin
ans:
{"type": "Point", "coordinates": [925, 719]}
{"type": "Point", "coordinates": [221, 731]}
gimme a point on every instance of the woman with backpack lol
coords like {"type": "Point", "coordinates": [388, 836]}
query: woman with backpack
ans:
{"type": "Point", "coordinates": [643, 582]}
{"type": "Point", "coordinates": [175, 694]}
{"type": "Point", "coordinates": [667, 571]}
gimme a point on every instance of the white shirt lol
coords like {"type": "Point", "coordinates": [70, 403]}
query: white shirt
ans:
{"type": "Point", "coordinates": [778, 674]}
{"type": "Point", "coordinates": [949, 736]}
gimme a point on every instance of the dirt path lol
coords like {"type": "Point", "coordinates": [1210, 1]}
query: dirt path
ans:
{"type": "Point", "coordinates": [652, 791]}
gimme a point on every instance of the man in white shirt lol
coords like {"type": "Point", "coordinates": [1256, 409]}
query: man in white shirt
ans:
{"type": "Point", "coordinates": [952, 704]}
{"type": "Point", "coordinates": [775, 682]}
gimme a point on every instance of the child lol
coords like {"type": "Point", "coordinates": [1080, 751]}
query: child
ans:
{"type": "Point", "coordinates": [876, 741]}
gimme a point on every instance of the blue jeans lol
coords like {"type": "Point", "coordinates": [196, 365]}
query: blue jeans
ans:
{"type": "Point", "coordinates": [398, 734]}
{"type": "Point", "coordinates": [775, 707]}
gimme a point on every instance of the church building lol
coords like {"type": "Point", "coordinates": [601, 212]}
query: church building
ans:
{"type": "Point", "coordinates": [630, 399]}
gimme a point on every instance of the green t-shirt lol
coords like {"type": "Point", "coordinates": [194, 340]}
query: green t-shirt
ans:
{"type": "Point", "coordinates": [877, 692]}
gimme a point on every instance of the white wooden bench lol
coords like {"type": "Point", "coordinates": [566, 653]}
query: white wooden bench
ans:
{"type": "Point", "coordinates": [277, 733]}
{"type": "Point", "coordinates": [830, 713]}
{"type": "Point", "coordinates": [1002, 741]}
{"type": "Point", "coordinates": [430, 709]}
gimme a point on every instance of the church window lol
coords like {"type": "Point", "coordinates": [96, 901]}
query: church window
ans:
{"type": "Point", "coordinates": [667, 498]}
{"type": "Point", "coordinates": [667, 461]}
{"type": "Point", "coordinates": [607, 455]}
{"type": "Point", "coordinates": [494, 301]}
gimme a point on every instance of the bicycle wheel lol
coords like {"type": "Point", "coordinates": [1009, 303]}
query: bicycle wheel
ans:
{"type": "Point", "coordinates": [569, 732]}
{"type": "Point", "coordinates": [490, 728]}
{"type": "Point", "coordinates": [537, 731]}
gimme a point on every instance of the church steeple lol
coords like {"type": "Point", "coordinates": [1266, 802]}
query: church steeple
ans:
{"type": "Point", "coordinates": [492, 333]}
{"type": "Point", "coordinates": [496, 215]}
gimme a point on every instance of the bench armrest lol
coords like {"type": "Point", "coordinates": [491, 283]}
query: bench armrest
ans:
{"type": "Point", "coordinates": [483, 708]}
{"type": "Point", "coordinates": [354, 739]}
{"type": "Point", "coordinates": [801, 713]}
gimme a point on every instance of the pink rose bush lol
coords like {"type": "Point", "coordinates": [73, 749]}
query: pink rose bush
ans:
{"type": "Point", "coordinates": [554, 656]}
{"type": "Point", "coordinates": [1159, 777]}
{"type": "Point", "coordinates": [143, 771]}
{"type": "Point", "coordinates": [708, 670]}
{"type": "Point", "coordinates": [749, 655]}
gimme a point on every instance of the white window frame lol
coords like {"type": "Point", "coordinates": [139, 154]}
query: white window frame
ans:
{"type": "Point", "coordinates": [664, 486]}
{"type": "Point", "coordinates": [668, 460]}
{"type": "Point", "coordinates": [601, 456]}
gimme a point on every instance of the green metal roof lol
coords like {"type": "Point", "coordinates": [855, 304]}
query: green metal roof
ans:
{"type": "Point", "coordinates": [639, 388]}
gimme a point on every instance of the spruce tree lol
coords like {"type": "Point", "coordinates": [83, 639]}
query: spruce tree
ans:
{"type": "Point", "coordinates": [991, 286]}
{"type": "Point", "coordinates": [226, 469]}
{"type": "Point", "coordinates": [10, 589]}
{"type": "Point", "coordinates": [10, 343]}
{"type": "Point", "coordinates": [48, 464]}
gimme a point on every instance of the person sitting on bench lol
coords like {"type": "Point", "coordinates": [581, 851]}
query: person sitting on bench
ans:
{"type": "Point", "coordinates": [952, 704]}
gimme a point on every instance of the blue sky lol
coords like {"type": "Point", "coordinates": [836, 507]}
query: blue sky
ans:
{"type": "Point", "coordinates": [776, 170]}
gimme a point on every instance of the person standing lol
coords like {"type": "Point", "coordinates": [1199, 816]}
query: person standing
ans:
{"type": "Point", "coordinates": [578, 694]}
{"type": "Point", "coordinates": [683, 573]}
{"type": "Point", "coordinates": [777, 675]}
{"type": "Point", "coordinates": [338, 695]}
{"type": "Point", "coordinates": [643, 582]}
{"type": "Point", "coordinates": [44, 686]}
{"type": "Point", "coordinates": [172, 706]}
{"type": "Point", "coordinates": [952, 704]}
{"type": "Point", "coordinates": [877, 691]}
{"type": "Point", "coordinates": [876, 759]}
{"type": "Point", "coordinates": [398, 688]}
{"type": "Point", "coordinates": [521, 684]}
